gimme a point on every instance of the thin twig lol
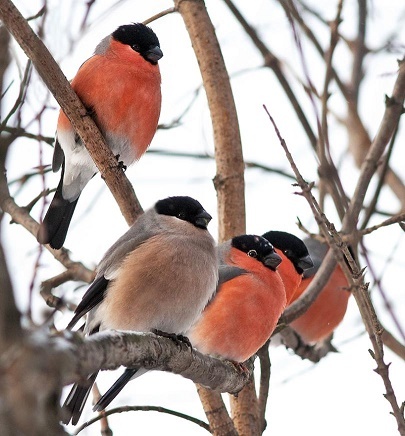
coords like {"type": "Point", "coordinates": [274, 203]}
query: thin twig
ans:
{"type": "Point", "coordinates": [160, 15]}
{"type": "Point", "coordinates": [123, 409]}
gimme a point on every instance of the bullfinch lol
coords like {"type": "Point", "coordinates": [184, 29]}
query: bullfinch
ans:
{"type": "Point", "coordinates": [158, 276]}
{"type": "Point", "coordinates": [120, 87]}
{"type": "Point", "coordinates": [296, 259]}
{"type": "Point", "coordinates": [242, 314]}
{"type": "Point", "coordinates": [248, 303]}
{"type": "Point", "coordinates": [329, 308]}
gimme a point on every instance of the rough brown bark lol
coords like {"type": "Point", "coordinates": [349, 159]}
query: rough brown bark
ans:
{"type": "Point", "coordinates": [229, 180]}
{"type": "Point", "coordinates": [220, 422]}
{"type": "Point", "coordinates": [245, 411]}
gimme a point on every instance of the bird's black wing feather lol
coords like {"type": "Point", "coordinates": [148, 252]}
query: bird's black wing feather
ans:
{"type": "Point", "coordinates": [91, 298]}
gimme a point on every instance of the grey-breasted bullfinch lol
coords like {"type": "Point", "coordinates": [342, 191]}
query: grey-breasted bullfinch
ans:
{"type": "Point", "coordinates": [159, 275]}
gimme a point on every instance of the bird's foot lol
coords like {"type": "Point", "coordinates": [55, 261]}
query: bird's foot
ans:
{"type": "Point", "coordinates": [90, 112]}
{"type": "Point", "coordinates": [241, 367]}
{"type": "Point", "coordinates": [177, 339]}
{"type": "Point", "coordinates": [121, 164]}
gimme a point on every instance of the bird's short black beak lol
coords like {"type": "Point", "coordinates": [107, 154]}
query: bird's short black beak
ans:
{"type": "Point", "coordinates": [202, 219]}
{"type": "Point", "coordinates": [272, 261]}
{"type": "Point", "coordinates": [305, 262]}
{"type": "Point", "coordinates": [154, 54]}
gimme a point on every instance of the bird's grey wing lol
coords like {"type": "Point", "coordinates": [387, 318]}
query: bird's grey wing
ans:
{"type": "Point", "coordinates": [144, 228]}
{"type": "Point", "coordinates": [227, 272]}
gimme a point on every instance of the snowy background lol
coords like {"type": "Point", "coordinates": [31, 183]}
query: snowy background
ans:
{"type": "Point", "coordinates": [339, 395]}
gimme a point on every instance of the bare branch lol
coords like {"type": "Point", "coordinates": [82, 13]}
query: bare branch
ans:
{"type": "Point", "coordinates": [112, 349]}
{"type": "Point", "coordinates": [10, 327]}
{"type": "Point", "coordinates": [245, 411]}
{"type": "Point", "coordinates": [160, 15]}
{"type": "Point", "coordinates": [229, 180]}
{"type": "Point", "coordinates": [265, 371]}
{"type": "Point", "coordinates": [216, 412]}
{"type": "Point", "coordinates": [143, 409]}
{"type": "Point", "coordinates": [21, 216]}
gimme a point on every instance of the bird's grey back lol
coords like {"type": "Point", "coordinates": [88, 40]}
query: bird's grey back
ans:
{"type": "Point", "coordinates": [144, 228]}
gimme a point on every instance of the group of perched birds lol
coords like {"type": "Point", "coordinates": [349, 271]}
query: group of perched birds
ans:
{"type": "Point", "coordinates": [166, 274]}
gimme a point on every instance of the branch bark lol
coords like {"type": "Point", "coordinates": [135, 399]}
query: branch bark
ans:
{"type": "Point", "coordinates": [229, 180]}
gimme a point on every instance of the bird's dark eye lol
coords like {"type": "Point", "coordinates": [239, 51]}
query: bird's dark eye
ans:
{"type": "Point", "coordinates": [252, 253]}
{"type": "Point", "coordinates": [288, 253]}
{"type": "Point", "coordinates": [181, 215]}
{"type": "Point", "coordinates": [136, 47]}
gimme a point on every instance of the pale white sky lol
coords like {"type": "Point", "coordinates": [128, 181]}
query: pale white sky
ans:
{"type": "Point", "coordinates": [341, 394]}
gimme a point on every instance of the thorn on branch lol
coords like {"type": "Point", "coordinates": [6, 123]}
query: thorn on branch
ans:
{"type": "Point", "coordinates": [390, 101]}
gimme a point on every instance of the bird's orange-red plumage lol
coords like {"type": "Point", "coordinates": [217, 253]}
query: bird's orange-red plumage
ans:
{"type": "Point", "coordinates": [244, 312]}
{"type": "Point", "coordinates": [128, 80]}
{"type": "Point", "coordinates": [291, 278]}
{"type": "Point", "coordinates": [326, 312]}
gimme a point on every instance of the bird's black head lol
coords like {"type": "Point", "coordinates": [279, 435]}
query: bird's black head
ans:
{"type": "Point", "coordinates": [258, 248]}
{"type": "Point", "coordinates": [292, 247]}
{"type": "Point", "coordinates": [184, 208]}
{"type": "Point", "coordinates": [141, 39]}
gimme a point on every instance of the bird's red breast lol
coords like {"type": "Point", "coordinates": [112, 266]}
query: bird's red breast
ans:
{"type": "Point", "coordinates": [326, 312]}
{"type": "Point", "coordinates": [124, 90]}
{"type": "Point", "coordinates": [243, 313]}
{"type": "Point", "coordinates": [291, 278]}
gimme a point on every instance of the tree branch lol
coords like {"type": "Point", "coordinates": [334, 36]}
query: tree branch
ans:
{"type": "Point", "coordinates": [159, 409]}
{"type": "Point", "coordinates": [112, 349]}
{"type": "Point", "coordinates": [229, 180]}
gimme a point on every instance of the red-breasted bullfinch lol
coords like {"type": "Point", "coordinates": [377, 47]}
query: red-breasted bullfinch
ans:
{"type": "Point", "coordinates": [158, 276]}
{"type": "Point", "coordinates": [248, 303]}
{"type": "Point", "coordinates": [243, 312]}
{"type": "Point", "coordinates": [296, 260]}
{"type": "Point", "coordinates": [329, 308]}
{"type": "Point", "coordinates": [120, 87]}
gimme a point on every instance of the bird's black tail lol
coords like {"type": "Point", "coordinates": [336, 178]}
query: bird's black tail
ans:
{"type": "Point", "coordinates": [55, 225]}
{"type": "Point", "coordinates": [74, 404]}
{"type": "Point", "coordinates": [115, 389]}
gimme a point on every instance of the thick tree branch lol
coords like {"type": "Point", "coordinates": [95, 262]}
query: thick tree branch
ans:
{"type": "Point", "coordinates": [59, 86]}
{"type": "Point", "coordinates": [229, 180]}
{"type": "Point", "coordinates": [112, 349]}
{"type": "Point", "coordinates": [221, 423]}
